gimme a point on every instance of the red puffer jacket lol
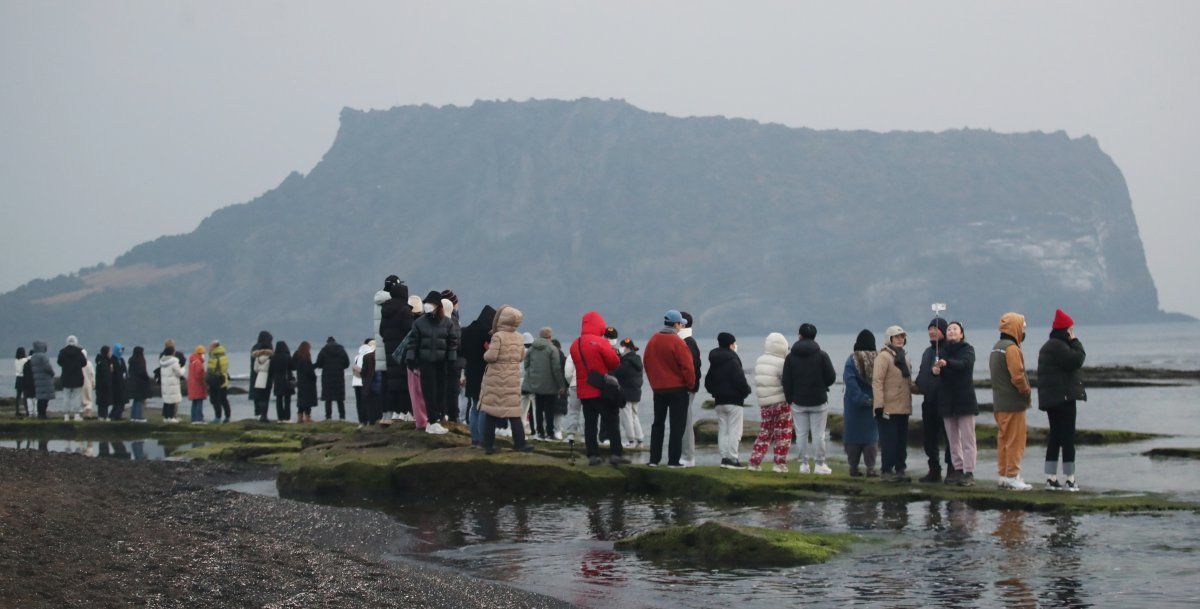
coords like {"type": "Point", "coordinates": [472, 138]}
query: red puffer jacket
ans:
{"type": "Point", "coordinates": [197, 390]}
{"type": "Point", "coordinates": [596, 350]}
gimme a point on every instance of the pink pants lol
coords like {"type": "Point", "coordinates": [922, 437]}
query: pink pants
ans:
{"type": "Point", "coordinates": [418, 398]}
{"type": "Point", "coordinates": [961, 433]}
{"type": "Point", "coordinates": [777, 430]}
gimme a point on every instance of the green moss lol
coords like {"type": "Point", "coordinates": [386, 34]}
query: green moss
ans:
{"type": "Point", "coordinates": [1175, 453]}
{"type": "Point", "coordinates": [718, 544]}
{"type": "Point", "coordinates": [240, 450]}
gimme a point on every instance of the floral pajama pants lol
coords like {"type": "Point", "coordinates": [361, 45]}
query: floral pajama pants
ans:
{"type": "Point", "coordinates": [777, 431]}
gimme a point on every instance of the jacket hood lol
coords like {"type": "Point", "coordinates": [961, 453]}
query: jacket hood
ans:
{"type": "Point", "coordinates": [365, 349]}
{"type": "Point", "coordinates": [218, 351]}
{"type": "Point", "coordinates": [167, 360]}
{"type": "Point", "coordinates": [486, 316]}
{"type": "Point", "coordinates": [1013, 324]}
{"type": "Point", "coordinates": [399, 291]}
{"type": "Point", "coordinates": [806, 347]}
{"type": "Point", "coordinates": [39, 346]}
{"type": "Point", "coordinates": [508, 319]}
{"type": "Point", "coordinates": [776, 344]}
{"type": "Point", "coordinates": [593, 324]}
{"type": "Point", "coordinates": [118, 350]}
{"type": "Point", "coordinates": [541, 344]}
{"type": "Point", "coordinates": [381, 297]}
{"type": "Point", "coordinates": [72, 341]}
{"type": "Point", "coordinates": [196, 357]}
{"type": "Point", "coordinates": [721, 355]}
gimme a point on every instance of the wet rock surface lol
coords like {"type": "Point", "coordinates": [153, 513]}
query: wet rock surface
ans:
{"type": "Point", "coordinates": [81, 532]}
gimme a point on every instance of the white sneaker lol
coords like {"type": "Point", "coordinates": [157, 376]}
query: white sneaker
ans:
{"type": "Point", "coordinates": [78, 417]}
{"type": "Point", "coordinates": [804, 466]}
{"type": "Point", "coordinates": [779, 469]}
{"type": "Point", "coordinates": [504, 433]}
{"type": "Point", "coordinates": [66, 417]}
{"type": "Point", "coordinates": [571, 438]}
{"type": "Point", "coordinates": [687, 462]}
{"type": "Point", "coordinates": [436, 429]}
{"type": "Point", "coordinates": [628, 444]}
{"type": "Point", "coordinates": [822, 469]}
{"type": "Point", "coordinates": [1070, 486]}
{"type": "Point", "coordinates": [1017, 484]}
{"type": "Point", "coordinates": [397, 416]}
{"type": "Point", "coordinates": [558, 436]}
{"type": "Point", "coordinates": [1004, 482]}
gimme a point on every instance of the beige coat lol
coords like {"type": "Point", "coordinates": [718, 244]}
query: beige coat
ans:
{"type": "Point", "coordinates": [892, 391]}
{"type": "Point", "coordinates": [500, 394]}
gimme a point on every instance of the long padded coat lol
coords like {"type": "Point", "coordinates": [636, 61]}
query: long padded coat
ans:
{"type": "Point", "coordinates": [500, 394]}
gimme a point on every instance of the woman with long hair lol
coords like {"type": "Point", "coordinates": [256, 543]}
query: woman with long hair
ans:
{"type": "Point", "coordinates": [281, 374]}
{"type": "Point", "coordinates": [306, 382]}
{"type": "Point", "coordinates": [139, 384]}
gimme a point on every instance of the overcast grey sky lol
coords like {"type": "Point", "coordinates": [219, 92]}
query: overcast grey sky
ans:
{"type": "Point", "coordinates": [122, 121]}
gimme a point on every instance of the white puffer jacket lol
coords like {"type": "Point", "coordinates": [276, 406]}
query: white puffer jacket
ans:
{"type": "Point", "coordinates": [170, 371]}
{"type": "Point", "coordinates": [768, 371]}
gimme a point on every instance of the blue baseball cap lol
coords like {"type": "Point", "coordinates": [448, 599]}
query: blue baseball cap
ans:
{"type": "Point", "coordinates": [674, 317]}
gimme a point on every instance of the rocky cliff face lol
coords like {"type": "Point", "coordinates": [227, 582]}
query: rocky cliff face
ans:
{"type": "Point", "coordinates": [562, 207]}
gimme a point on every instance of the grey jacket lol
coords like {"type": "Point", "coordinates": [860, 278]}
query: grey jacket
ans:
{"type": "Point", "coordinates": [43, 372]}
{"type": "Point", "coordinates": [543, 371]}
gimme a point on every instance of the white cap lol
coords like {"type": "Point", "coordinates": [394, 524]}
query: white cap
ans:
{"type": "Point", "coordinates": [894, 331]}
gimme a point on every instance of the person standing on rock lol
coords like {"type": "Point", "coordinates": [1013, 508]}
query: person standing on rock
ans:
{"type": "Point", "coordinates": [361, 408]}
{"type": "Point", "coordinates": [72, 361]}
{"type": "Point", "coordinates": [21, 403]}
{"type": "Point", "coordinates": [197, 388]}
{"type": "Point", "coordinates": [394, 323]}
{"type": "Point", "coordinates": [454, 370]}
{"type": "Point", "coordinates": [1060, 387]}
{"type": "Point", "coordinates": [500, 388]}
{"type": "Point", "coordinates": [592, 353]}
{"type": "Point", "coordinates": [120, 391]}
{"type": "Point", "coordinates": [726, 383]}
{"type": "Point", "coordinates": [891, 390]}
{"type": "Point", "coordinates": [1010, 398]}
{"type": "Point", "coordinates": [433, 350]}
{"type": "Point", "coordinates": [775, 433]}
{"type": "Point", "coordinates": [544, 379]}
{"type": "Point", "coordinates": [43, 377]}
{"type": "Point", "coordinates": [171, 375]}
{"type": "Point", "coordinates": [260, 384]}
{"type": "Point", "coordinates": [630, 373]}
{"type": "Point", "coordinates": [860, 434]}
{"type": "Point", "coordinates": [807, 376]}
{"type": "Point", "coordinates": [688, 456]}
{"type": "Point", "coordinates": [306, 382]}
{"type": "Point", "coordinates": [216, 376]}
{"type": "Point", "coordinates": [672, 374]}
{"type": "Point", "coordinates": [139, 384]}
{"type": "Point", "coordinates": [956, 402]}
{"type": "Point", "coordinates": [933, 429]}
{"type": "Point", "coordinates": [283, 377]}
{"type": "Point", "coordinates": [473, 345]}
{"type": "Point", "coordinates": [333, 362]}
{"type": "Point", "coordinates": [103, 371]}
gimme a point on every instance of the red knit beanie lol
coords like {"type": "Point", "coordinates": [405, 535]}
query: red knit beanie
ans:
{"type": "Point", "coordinates": [1062, 321]}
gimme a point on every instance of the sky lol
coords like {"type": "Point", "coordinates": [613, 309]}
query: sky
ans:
{"type": "Point", "coordinates": [122, 121]}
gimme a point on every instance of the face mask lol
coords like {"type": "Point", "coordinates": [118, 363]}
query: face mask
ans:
{"type": "Point", "coordinates": [734, 347]}
{"type": "Point", "coordinates": [612, 341]}
{"type": "Point", "coordinates": [427, 307]}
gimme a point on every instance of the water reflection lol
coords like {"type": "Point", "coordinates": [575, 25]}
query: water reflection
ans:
{"type": "Point", "coordinates": [137, 450]}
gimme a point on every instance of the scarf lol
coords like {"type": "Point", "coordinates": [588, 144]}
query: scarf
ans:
{"type": "Point", "coordinates": [901, 361]}
{"type": "Point", "coordinates": [864, 363]}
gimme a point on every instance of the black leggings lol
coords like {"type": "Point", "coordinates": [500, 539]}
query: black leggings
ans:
{"type": "Point", "coordinates": [283, 407]}
{"type": "Point", "coordinates": [219, 396]}
{"type": "Point", "coordinates": [434, 389]}
{"type": "Point", "coordinates": [1062, 432]}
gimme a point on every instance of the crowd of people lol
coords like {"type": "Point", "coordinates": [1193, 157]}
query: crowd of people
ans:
{"type": "Point", "coordinates": [524, 387]}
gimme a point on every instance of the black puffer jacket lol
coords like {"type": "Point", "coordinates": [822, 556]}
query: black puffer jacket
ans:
{"type": "Point", "coordinates": [306, 382]}
{"type": "Point", "coordinates": [927, 381]}
{"type": "Point", "coordinates": [474, 340]}
{"type": "Point", "coordinates": [396, 320]}
{"type": "Point", "coordinates": [282, 372]}
{"type": "Point", "coordinates": [1060, 365]}
{"type": "Point", "coordinates": [726, 380]}
{"type": "Point", "coordinates": [139, 377]}
{"type": "Point", "coordinates": [103, 385]}
{"type": "Point", "coordinates": [695, 349]}
{"type": "Point", "coordinates": [807, 374]}
{"type": "Point", "coordinates": [630, 373]}
{"type": "Point", "coordinates": [71, 362]}
{"type": "Point", "coordinates": [956, 390]}
{"type": "Point", "coordinates": [433, 340]}
{"type": "Point", "coordinates": [119, 394]}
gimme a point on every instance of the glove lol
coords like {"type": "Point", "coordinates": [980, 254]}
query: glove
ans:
{"type": "Point", "coordinates": [879, 413]}
{"type": "Point", "coordinates": [612, 380]}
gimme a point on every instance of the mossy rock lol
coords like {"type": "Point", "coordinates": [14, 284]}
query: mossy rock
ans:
{"type": "Point", "coordinates": [240, 450]}
{"type": "Point", "coordinates": [732, 545]}
{"type": "Point", "coordinates": [1173, 453]}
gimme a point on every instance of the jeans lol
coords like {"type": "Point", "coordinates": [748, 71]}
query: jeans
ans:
{"type": "Point", "coordinates": [810, 419]}
{"type": "Point", "coordinates": [477, 420]}
{"type": "Point", "coordinates": [1062, 436]}
{"type": "Point", "coordinates": [670, 408]}
{"type": "Point", "coordinates": [74, 399]}
{"type": "Point", "coordinates": [600, 410]}
{"type": "Point", "coordinates": [729, 430]}
{"type": "Point", "coordinates": [197, 410]}
{"type": "Point", "coordinates": [136, 411]}
{"type": "Point", "coordinates": [893, 442]}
